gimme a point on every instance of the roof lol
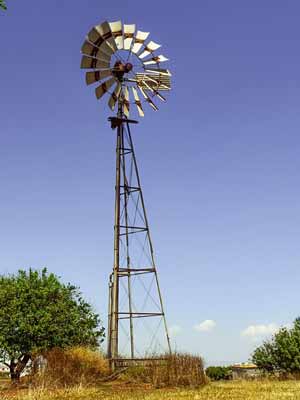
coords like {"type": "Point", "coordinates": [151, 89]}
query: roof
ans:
{"type": "Point", "coordinates": [244, 366]}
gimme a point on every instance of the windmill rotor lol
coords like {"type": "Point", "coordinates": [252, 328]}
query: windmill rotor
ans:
{"type": "Point", "coordinates": [123, 63]}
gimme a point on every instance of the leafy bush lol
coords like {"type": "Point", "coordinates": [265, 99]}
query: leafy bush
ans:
{"type": "Point", "coordinates": [281, 353]}
{"type": "Point", "coordinates": [218, 373]}
{"type": "Point", "coordinates": [3, 5]}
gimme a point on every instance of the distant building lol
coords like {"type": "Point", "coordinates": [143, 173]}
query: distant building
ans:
{"type": "Point", "coordinates": [245, 371]}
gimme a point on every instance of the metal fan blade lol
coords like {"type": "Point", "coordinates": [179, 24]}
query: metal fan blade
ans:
{"type": "Point", "coordinates": [153, 79]}
{"type": "Point", "coordinates": [156, 60]}
{"type": "Point", "coordinates": [139, 41]}
{"type": "Point", "coordinates": [155, 92]}
{"type": "Point", "coordinates": [137, 102]}
{"type": "Point", "coordinates": [161, 82]}
{"type": "Point", "coordinates": [149, 48]}
{"type": "Point", "coordinates": [91, 62]}
{"type": "Point", "coordinates": [160, 96]}
{"type": "Point", "coordinates": [91, 50]}
{"type": "Point", "coordinates": [95, 76]}
{"type": "Point", "coordinates": [158, 82]}
{"type": "Point", "coordinates": [148, 99]}
{"type": "Point", "coordinates": [126, 104]}
{"type": "Point", "coordinates": [116, 29]}
{"type": "Point", "coordinates": [100, 43]}
{"type": "Point", "coordinates": [165, 72]}
{"type": "Point", "coordinates": [107, 48]}
{"type": "Point", "coordinates": [105, 31]}
{"type": "Point", "coordinates": [128, 36]}
{"type": "Point", "coordinates": [101, 35]}
{"type": "Point", "coordinates": [114, 97]}
{"type": "Point", "coordinates": [102, 89]}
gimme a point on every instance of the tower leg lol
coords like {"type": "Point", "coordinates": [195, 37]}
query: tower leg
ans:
{"type": "Point", "coordinates": [113, 353]}
{"type": "Point", "coordinates": [110, 290]}
{"type": "Point", "coordinates": [126, 194]}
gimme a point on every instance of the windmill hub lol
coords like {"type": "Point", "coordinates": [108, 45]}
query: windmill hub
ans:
{"type": "Point", "coordinates": [120, 69]}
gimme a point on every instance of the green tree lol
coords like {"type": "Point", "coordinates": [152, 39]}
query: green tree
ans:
{"type": "Point", "coordinates": [3, 5]}
{"type": "Point", "coordinates": [282, 352]}
{"type": "Point", "coordinates": [38, 313]}
{"type": "Point", "coordinates": [218, 373]}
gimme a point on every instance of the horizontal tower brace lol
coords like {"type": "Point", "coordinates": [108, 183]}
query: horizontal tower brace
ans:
{"type": "Point", "coordinates": [138, 315]}
{"type": "Point", "coordinates": [129, 191]}
{"type": "Point", "coordinates": [137, 269]}
{"type": "Point", "coordinates": [130, 233]}
{"type": "Point", "coordinates": [133, 227]}
{"type": "Point", "coordinates": [124, 274]}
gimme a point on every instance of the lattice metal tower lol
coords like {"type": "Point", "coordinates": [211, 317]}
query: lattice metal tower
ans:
{"type": "Point", "coordinates": [120, 57]}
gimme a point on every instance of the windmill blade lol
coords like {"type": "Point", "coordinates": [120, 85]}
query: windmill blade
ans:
{"type": "Point", "coordinates": [160, 96]}
{"type": "Point", "coordinates": [116, 29]}
{"type": "Point", "coordinates": [160, 71]}
{"type": "Point", "coordinates": [128, 35]}
{"type": "Point", "coordinates": [107, 48]}
{"type": "Point", "coordinates": [149, 48]}
{"type": "Point", "coordinates": [153, 79]}
{"type": "Point", "coordinates": [137, 102]}
{"type": "Point", "coordinates": [91, 50]}
{"type": "Point", "coordinates": [99, 40]}
{"type": "Point", "coordinates": [126, 104]}
{"type": "Point", "coordinates": [155, 92]}
{"type": "Point", "coordinates": [114, 97]}
{"type": "Point", "coordinates": [91, 62]}
{"type": "Point", "coordinates": [156, 60]}
{"type": "Point", "coordinates": [148, 99]}
{"type": "Point", "coordinates": [139, 41]}
{"type": "Point", "coordinates": [158, 82]}
{"type": "Point", "coordinates": [161, 82]}
{"type": "Point", "coordinates": [102, 89]}
{"type": "Point", "coordinates": [105, 31]}
{"type": "Point", "coordinates": [95, 76]}
{"type": "Point", "coordinates": [101, 35]}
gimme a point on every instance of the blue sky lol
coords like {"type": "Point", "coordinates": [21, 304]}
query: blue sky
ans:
{"type": "Point", "coordinates": [219, 162]}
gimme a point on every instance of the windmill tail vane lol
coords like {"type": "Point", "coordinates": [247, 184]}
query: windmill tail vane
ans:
{"type": "Point", "coordinates": [123, 63]}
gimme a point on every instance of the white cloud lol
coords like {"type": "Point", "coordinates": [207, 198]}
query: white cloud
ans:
{"type": "Point", "coordinates": [257, 331]}
{"type": "Point", "coordinates": [174, 330]}
{"type": "Point", "coordinates": [205, 326]}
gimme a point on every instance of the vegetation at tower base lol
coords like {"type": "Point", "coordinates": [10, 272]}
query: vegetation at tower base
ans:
{"type": "Point", "coordinates": [71, 367]}
{"type": "Point", "coordinates": [281, 353]}
{"type": "Point", "coordinates": [175, 370]}
{"type": "Point", "coordinates": [38, 313]}
{"type": "Point", "coordinates": [3, 5]}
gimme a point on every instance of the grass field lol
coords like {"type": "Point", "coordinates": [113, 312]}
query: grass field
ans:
{"type": "Point", "coordinates": [236, 390]}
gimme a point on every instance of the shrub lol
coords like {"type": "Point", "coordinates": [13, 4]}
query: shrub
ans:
{"type": "Point", "coordinates": [218, 373]}
{"type": "Point", "coordinates": [281, 353]}
{"type": "Point", "coordinates": [70, 367]}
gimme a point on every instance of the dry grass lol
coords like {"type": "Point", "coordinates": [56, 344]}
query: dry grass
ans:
{"type": "Point", "coordinates": [175, 371]}
{"type": "Point", "coordinates": [235, 390]}
{"type": "Point", "coordinates": [72, 367]}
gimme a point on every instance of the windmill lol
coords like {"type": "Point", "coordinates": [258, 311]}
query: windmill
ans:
{"type": "Point", "coordinates": [124, 64]}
